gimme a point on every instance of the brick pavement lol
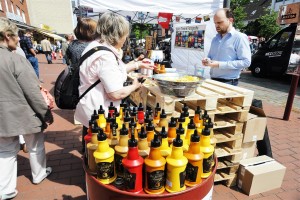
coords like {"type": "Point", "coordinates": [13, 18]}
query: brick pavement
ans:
{"type": "Point", "coordinates": [63, 144]}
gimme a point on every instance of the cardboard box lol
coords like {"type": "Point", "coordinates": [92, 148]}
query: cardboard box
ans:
{"type": "Point", "coordinates": [248, 151]}
{"type": "Point", "coordinates": [255, 125]}
{"type": "Point", "coordinates": [260, 174]}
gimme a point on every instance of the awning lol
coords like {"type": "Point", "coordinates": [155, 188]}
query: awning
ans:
{"type": "Point", "coordinates": [52, 35]}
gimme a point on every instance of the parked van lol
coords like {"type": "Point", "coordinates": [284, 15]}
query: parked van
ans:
{"type": "Point", "coordinates": [273, 57]}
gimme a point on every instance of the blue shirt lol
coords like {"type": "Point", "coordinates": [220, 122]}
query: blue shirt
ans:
{"type": "Point", "coordinates": [233, 53]}
{"type": "Point", "coordinates": [26, 45]}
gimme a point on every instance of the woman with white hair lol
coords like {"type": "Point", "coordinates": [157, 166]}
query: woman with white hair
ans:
{"type": "Point", "coordinates": [112, 31]}
{"type": "Point", "coordinates": [24, 111]}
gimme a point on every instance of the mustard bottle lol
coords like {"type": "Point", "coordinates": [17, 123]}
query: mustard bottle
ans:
{"type": "Point", "coordinates": [133, 114]}
{"type": "Point", "coordinates": [147, 119]}
{"type": "Point", "coordinates": [207, 149]}
{"type": "Point", "coordinates": [165, 150]}
{"type": "Point", "coordinates": [176, 164]}
{"type": "Point", "coordinates": [101, 120]}
{"type": "Point", "coordinates": [182, 120]}
{"type": "Point", "coordinates": [163, 119]}
{"type": "Point", "coordinates": [155, 169]}
{"type": "Point", "coordinates": [186, 113]}
{"type": "Point", "coordinates": [121, 110]}
{"type": "Point", "coordinates": [104, 157]}
{"type": "Point", "coordinates": [113, 137]}
{"type": "Point", "coordinates": [118, 120]}
{"type": "Point", "coordinates": [195, 161]}
{"type": "Point", "coordinates": [150, 131]}
{"type": "Point", "coordinates": [197, 118]}
{"type": "Point", "coordinates": [205, 117]}
{"type": "Point", "coordinates": [162, 69]}
{"type": "Point", "coordinates": [150, 112]}
{"type": "Point", "coordinates": [156, 117]}
{"type": "Point", "coordinates": [143, 147]}
{"type": "Point", "coordinates": [180, 131]}
{"type": "Point", "coordinates": [92, 146]}
{"type": "Point", "coordinates": [172, 130]}
{"type": "Point", "coordinates": [132, 128]}
{"type": "Point", "coordinates": [190, 130]}
{"type": "Point", "coordinates": [121, 150]}
{"type": "Point", "coordinates": [127, 119]}
{"type": "Point", "coordinates": [213, 140]}
{"type": "Point", "coordinates": [108, 120]}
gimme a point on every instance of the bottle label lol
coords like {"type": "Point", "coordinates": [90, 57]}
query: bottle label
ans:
{"type": "Point", "coordinates": [191, 172]}
{"type": "Point", "coordinates": [182, 176]}
{"type": "Point", "coordinates": [207, 164]}
{"type": "Point", "coordinates": [155, 179]}
{"type": "Point", "coordinates": [129, 179]}
{"type": "Point", "coordinates": [132, 130]}
{"type": "Point", "coordinates": [119, 165]}
{"type": "Point", "coordinates": [105, 170]}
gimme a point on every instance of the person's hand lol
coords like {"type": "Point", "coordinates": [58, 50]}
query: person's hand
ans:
{"type": "Point", "coordinates": [141, 57]}
{"type": "Point", "coordinates": [206, 61]}
{"type": "Point", "coordinates": [146, 64]}
{"type": "Point", "coordinates": [136, 83]}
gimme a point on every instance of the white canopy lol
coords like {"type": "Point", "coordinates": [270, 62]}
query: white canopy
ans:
{"type": "Point", "coordinates": [184, 8]}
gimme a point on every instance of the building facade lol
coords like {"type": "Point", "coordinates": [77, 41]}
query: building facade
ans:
{"type": "Point", "coordinates": [277, 3]}
{"type": "Point", "coordinates": [15, 10]}
{"type": "Point", "coordinates": [52, 15]}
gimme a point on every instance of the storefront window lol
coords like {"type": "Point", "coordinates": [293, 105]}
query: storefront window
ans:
{"type": "Point", "coordinates": [23, 16]}
{"type": "Point", "coordinates": [12, 7]}
{"type": "Point", "coordinates": [18, 11]}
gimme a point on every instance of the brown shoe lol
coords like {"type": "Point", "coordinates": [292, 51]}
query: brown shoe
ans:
{"type": "Point", "coordinates": [23, 147]}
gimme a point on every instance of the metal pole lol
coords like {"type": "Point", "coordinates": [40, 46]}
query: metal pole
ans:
{"type": "Point", "coordinates": [292, 93]}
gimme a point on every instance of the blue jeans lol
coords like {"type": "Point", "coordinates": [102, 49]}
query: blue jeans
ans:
{"type": "Point", "coordinates": [35, 64]}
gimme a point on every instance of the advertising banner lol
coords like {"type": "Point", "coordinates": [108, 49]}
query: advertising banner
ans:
{"type": "Point", "coordinates": [190, 37]}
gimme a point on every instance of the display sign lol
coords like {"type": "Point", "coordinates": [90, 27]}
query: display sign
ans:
{"type": "Point", "coordinates": [289, 14]}
{"type": "Point", "coordinates": [191, 37]}
{"type": "Point", "coordinates": [294, 64]}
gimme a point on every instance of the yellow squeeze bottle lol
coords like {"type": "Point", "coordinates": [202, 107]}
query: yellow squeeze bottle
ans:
{"type": "Point", "coordinates": [132, 128]}
{"type": "Point", "coordinates": [104, 157]}
{"type": "Point", "coordinates": [113, 136]}
{"type": "Point", "coordinates": [150, 131]}
{"type": "Point", "coordinates": [190, 130]}
{"type": "Point", "coordinates": [163, 119]}
{"type": "Point", "coordinates": [176, 164]}
{"type": "Point", "coordinates": [165, 150]}
{"type": "Point", "coordinates": [143, 147]}
{"type": "Point", "coordinates": [121, 150]}
{"type": "Point", "coordinates": [126, 120]}
{"type": "Point", "coordinates": [156, 114]}
{"type": "Point", "coordinates": [101, 120]}
{"type": "Point", "coordinates": [207, 149]}
{"type": "Point", "coordinates": [195, 161]}
{"type": "Point", "coordinates": [155, 169]}
{"type": "Point", "coordinates": [180, 131]}
{"type": "Point", "coordinates": [172, 130]}
{"type": "Point", "coordinates": [92, 146]}
{"type": "Point", "coordinates": [197, 118]}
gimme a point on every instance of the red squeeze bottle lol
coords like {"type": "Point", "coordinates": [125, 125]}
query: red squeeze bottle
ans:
{"type": "Point", "coordinates": [133, 168]}
{"type": "Point", "coordinates": [140, 114]}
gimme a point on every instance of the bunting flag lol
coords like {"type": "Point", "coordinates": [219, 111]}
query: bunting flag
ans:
{"type": "Point", "coordinates": [188, 20]}
{"type": "Point", "coordinates": [177, 18]}
{"type": "Point", "coordinates": [164, 19]}
{"type": "Point", "coordinates": [198, 20]}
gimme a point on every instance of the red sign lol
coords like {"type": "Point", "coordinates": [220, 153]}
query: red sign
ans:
{"type": "Point", "coordinates": [164, 19]}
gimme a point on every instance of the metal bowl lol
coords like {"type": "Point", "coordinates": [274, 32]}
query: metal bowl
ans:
{"type": "Point", "coordinates": [172, 87]}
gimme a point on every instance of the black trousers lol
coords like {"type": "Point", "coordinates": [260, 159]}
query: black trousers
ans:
{"type": "Point", "coordinates": [84, 133]}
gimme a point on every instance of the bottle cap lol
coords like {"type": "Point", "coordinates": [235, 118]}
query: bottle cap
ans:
{"type": "Point", "coordinates": [198, 110]}
{"type": "Point", "coordinates": [109, 118]}
{"type": "Point", "coordinates": [101, 135]}
{"type": "Point", "coordinates": [116, 113]}
{"type": "Point", "coordinates": [140, 108]}
{"type": "Point", "coordinates": [132, 142]}
{"type": "Point", "coordinates": [94, 127]}
{"type": "Point", "coordinates": [195, 137]}
{"type": "Point", "coordinates": [177, 142]}
{"type": "Point", "coordinates": [181, 119]}
{"type": "Point", "coordinates": [180, 130]}
{"type": "Point", "coordinates": [90, 123]}
{"type": "Point", "coordinates": [206, 131]}
{"type": "Point", "coordinates": [205, 115]}
{"type": "Point", "coordinates": [127, 117]}
{"type": "Point", "coordinates": [163, 114]}
{"type": "Point", "coordinates": [163, 132]}
{"type": "Point", "coordinates": [147, 118]}
{"type": "Point", "coordinates": [149, 110]}
{"type": "Point", "coordinates": [149, 126]}
{"type": "Point", "coordinates": [101, 110]}
{"type": "Point", "coordinates": [95, 115]}
{"type": "Point", "coordinates": [123, 130]}
{"type": "Point", "coordinates": [191, 125]}
{"type": "Point", "coordinates": [185, 108]}
{"type": "Point", "coordinates": [209, 123]}
{"type": "Point", "coordinates": [133, 112]}
{"type": "Point", "coordinates": [132, 123]}
{"type": "Point", "coordinates": [155, 142]}
{"type": "Point", "coordinates": [123, 103]}
{"type": "Point", "coordinates": [111, 106]}
{"type": "Point", "coordinates": [172, 123]}
{"type": "Point", "coordinates": [142, 134]}
{"type": "Point", "coordinates": [157, 108]}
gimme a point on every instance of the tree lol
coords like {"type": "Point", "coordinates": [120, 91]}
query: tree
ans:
{"type": "Point", "coordinates": [268, 25]}
{"type": "Point", "coordinates": [237, 7]}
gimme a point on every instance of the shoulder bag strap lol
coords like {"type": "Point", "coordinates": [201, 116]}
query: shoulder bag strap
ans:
{"type": "Point", "coordinates": [85, 56]}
